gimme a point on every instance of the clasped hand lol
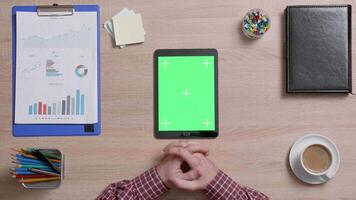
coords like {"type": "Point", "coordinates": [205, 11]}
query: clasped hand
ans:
{"type": "Point", "coordinates": [201, 170]}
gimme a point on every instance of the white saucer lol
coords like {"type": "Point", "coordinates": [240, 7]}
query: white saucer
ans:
{"type": "Point", "coordinates": [300, 145]}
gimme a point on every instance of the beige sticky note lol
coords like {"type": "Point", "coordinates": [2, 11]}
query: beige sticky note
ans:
{"type": "Point", "coordinates": [128, 29]}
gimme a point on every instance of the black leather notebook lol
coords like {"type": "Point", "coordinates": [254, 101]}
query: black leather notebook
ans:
{"type": "Point", "coordinates": [319, 48]}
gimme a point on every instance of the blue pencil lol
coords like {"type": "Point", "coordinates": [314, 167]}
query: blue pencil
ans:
{"type": "Point", "coordinates": [35, 166]}
{"type": "Point", "coordinates": [22, 158]}
{"type": "Point", "coordinates": [21, 173]}
{"type": "Point", "coordinates": [27, 163]}
{"type": "Point", "coordinates": [32, 161]}
{"type": "Point", "coordinates": [21, 169]}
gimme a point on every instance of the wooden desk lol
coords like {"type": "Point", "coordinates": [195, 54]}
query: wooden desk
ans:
{"type": "Point", "coordinates": [259, 122]}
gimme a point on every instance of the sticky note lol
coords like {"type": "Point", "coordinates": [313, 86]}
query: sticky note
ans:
{"type": "Point", "coordinates": [128, 29]}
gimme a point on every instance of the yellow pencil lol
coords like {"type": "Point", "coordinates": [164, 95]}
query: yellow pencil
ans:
{"type": "Point", "coordinates": [34, 180]}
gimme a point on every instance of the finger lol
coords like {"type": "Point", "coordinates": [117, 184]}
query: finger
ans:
{"type": "Point", "coordinates": [197, 148]}
{"type": "Point", "coordinates": [193, 148]}
{"type": "Point", "coordinates": [184, 184]}
{"type": "Point", "coordinates": [185, 155]}
{"type": "Point", "coordinates": [180, 143]}
{"type": "Point", "coordinates": [199, 156]}
{"type": "Point", "coordinates": [191, 175]}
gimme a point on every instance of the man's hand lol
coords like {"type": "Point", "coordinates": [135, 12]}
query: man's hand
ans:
{"type": "Point", "coordinates": [171, 165]}
{"type": "Point", "coordinates": [202, 170]}
{"type": "Point", "coordinates": [192, 147]}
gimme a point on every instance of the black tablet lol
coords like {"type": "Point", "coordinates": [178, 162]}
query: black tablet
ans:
{"type": "Point", "coordinates": [186, 93]}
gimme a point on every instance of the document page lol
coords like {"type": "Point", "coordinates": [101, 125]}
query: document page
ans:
{"type": "Point", "coordinates": [56, 69]}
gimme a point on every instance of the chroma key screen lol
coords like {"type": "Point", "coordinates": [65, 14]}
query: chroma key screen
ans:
{"type": "Point", "coordinates": [186, 88]}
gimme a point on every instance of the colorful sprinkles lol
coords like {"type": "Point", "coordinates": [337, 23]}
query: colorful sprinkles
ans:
{"type": "Point", "coordinates": [256, 23]}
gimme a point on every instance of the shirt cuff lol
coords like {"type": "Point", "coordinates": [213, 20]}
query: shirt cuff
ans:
{"type": "Point", "coordinates": [149, 185]}
{"type": "Point", "coordinates": [223, 187]}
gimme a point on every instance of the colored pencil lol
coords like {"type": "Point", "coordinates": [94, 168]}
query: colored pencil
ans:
{"type": "Point", "coordinates": [27, 155]}
{"type": "Point", "coordinates": [24, 153]}
{"type": "Point", "coordinates": [30, 176]}
{"type": "Point", "coordinates": [22, 173]}
{"type": "Point", "coordinates": [19, 170]}
{"type": "Point", "coordinates": [24, 159]}
{"type": "Point", "coordinates": [18, 158]}
{"type": "Point", "coordinates": [31, 163]}
{"type": "Point", "coordinates": [26, 163]}
{"type": "Point", "coordinates": [34, 180]}
{"type": "Point", "coordinates": [22, 162]}
{"type": "Point", "coordinates": [24, 156]}
{"type": "Point", "coordinates": [34, 157]}
{"type": "Point", "coordinates": [43, 172]}
{"type": "Point", "coordinates": [20, 153]}
{"type": "Point", "coordinates": [33, 166]}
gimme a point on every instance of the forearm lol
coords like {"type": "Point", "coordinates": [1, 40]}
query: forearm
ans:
{"type": "Point", "coordinates": [147, 186]}
{"type": "Point", "coordinates": [222, 187]}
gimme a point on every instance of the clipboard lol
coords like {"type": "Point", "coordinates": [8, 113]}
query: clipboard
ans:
{"type": "Point", "coordinates": [28, 130]}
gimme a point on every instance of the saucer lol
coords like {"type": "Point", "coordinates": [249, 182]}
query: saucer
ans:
{"type": "Point", "coordinates": [296, 151]}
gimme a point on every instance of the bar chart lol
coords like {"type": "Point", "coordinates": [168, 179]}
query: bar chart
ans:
{"type": "Point", "coordinates": [69, 105]}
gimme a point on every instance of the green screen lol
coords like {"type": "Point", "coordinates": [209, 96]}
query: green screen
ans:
{"type": "Point", "coordinates": [186, 88]}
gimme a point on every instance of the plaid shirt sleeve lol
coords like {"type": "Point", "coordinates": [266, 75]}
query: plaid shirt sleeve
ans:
{"type": "Point", "coordinates": [147, 186]}
{"type": "Point", "coordinates": [222, 187]}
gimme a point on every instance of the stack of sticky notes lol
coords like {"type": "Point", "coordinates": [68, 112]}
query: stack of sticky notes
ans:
{"type": "Point", "coordinates": [126, 28]}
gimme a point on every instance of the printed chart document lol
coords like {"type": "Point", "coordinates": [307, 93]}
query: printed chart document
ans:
{"type": "Point", "coordinates": [56, 69]}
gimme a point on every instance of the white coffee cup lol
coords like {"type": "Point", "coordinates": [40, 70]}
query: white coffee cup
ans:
{"type": "Point", "coordinates": [329, 159]}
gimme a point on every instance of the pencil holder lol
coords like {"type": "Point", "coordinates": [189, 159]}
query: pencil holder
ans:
{"type": "Point", "coordinates": [39, 168]}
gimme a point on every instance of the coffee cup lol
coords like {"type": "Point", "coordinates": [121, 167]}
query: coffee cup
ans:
{"type": "Point", "coordinates": [316, 159]}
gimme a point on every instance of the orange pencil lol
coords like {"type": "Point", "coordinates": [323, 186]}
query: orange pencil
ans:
{"type": "Point", "coordinates": [34, 180]}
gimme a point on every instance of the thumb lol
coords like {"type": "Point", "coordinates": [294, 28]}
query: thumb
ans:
{"type": "Point", "coordinates": [190, 175]}
{"type": "Point", "coordinates": [184, 184]}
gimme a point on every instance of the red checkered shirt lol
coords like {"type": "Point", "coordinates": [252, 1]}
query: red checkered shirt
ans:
{"type": "Point", "coordinates": [149, 186]}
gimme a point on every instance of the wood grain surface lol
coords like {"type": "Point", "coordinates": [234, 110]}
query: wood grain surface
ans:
{"type": "Point", "coordinates": [258, 121]}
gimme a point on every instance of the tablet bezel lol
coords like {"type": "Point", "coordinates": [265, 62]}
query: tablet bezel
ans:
{"type": "Point", "coordinates": [185, 134]}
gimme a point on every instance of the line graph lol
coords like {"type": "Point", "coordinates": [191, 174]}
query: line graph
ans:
{"type": "Point", "coordinates": [31, 69]}
{"type": "Point", "coordinates": [71, 39]}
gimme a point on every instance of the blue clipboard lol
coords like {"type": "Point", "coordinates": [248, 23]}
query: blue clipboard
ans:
{"type": "Point", "coordinates": [27, 130]}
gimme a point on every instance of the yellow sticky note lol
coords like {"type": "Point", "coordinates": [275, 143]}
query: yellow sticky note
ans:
{"type": "Point", "coordinates": [128, 29]}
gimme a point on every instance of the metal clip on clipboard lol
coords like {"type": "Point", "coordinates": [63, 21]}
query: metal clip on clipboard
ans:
{"type": "Point", "coordinates": [55, 10]}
